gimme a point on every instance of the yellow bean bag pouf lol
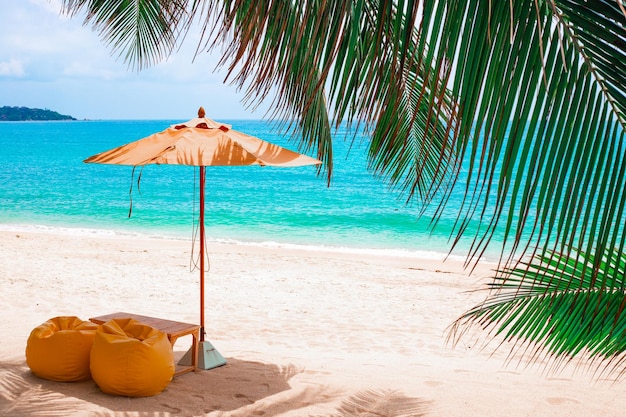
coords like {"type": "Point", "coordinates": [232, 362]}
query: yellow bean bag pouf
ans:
{"type": "Point", "coordinates": [59, 349]}
{"type": "Point", "coordinates": [131, 359]}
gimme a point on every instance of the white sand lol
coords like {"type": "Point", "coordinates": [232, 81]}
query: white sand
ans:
{"type": "Point", "coordinates": [304, 333]}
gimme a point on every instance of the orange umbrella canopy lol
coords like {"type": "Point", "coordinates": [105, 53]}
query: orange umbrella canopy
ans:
{"type": "Point", "coordinates": [202, 142]}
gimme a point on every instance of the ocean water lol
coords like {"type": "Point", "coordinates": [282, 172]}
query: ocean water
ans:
{"type": "Point", "coordinates": [44, 185]}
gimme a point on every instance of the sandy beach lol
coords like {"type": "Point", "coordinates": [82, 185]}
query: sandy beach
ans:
{"type": "Point", "coordinates": [305, 333]}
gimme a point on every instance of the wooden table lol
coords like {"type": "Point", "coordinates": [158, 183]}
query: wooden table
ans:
{"type": "Point", "coordinates": [173, 329]}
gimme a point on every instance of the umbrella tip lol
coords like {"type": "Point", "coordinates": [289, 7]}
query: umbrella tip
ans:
{"type": "Point", "coordinates": [201, 112]}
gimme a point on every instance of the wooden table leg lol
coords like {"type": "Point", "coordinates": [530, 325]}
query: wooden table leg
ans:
{"type": "Point", "coordinates": [194, 353]}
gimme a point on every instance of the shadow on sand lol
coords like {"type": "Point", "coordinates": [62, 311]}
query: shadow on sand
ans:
{"type": "Point", "coordinates": [239, 388]}
{"type": "Point", "coordinates": [236, 385]}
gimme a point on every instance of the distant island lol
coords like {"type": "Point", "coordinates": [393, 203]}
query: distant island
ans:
{"type": "Point", "coordinates": [13, 114]}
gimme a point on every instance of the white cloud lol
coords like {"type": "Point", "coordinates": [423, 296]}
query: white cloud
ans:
{"type": "Point", "coordinates": [12, 68]}
{"type": "Point", "coordinates": [52, 61]}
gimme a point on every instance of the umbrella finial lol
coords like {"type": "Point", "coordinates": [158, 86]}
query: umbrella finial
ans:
{"type": "Point", "coordinates": [201, 112]}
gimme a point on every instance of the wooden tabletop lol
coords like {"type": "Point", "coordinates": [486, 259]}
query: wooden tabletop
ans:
{"type": "Point", "coordinates": [172, 328]}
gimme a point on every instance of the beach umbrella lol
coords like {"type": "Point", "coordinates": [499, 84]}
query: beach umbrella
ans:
{"type": "Point", "coordinates": [202, 142]}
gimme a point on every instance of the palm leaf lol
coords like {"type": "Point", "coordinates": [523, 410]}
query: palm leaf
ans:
{"type": "Point", "coordinates": [142, 32]}
{"type": "Point", "coordinates": [368, 54]}
{"type": "Point", "coordinates": [554, 181]}
{"type": "Point", "coordinates": [532, 108]}
{"type": "Point", "coordinates": [564, 304]}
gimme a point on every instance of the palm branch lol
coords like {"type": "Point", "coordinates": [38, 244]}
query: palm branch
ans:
{"type": "Point", "coordinates": [560, 305]}
{"type": "Point", "coordinates": [518, 106]}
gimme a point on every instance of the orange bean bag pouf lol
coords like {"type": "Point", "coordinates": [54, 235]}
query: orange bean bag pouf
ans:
{"type": "Point", "coordinates": [59, 349]}
{"type": "Point", "coordinates": [131, 359]}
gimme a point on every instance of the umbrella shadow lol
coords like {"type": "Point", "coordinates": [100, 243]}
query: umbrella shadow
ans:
{"type": "Point", "coordinates": [237, 388]}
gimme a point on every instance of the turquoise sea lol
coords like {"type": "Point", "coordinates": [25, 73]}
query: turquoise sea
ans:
{"type": "Point", "coordinates": [45, 186]}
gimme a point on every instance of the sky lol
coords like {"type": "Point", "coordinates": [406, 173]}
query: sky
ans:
{"type": "Point", "coordinates": [51, 61]}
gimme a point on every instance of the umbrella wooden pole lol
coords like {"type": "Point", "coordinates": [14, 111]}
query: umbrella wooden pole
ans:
{"type": "Point", "coordinates": [202, 184]}
{"type": "Point", "coordinates": [205, 354]}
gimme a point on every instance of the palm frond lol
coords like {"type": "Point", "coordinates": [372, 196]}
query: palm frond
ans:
{"type": "Point", "coordinates": [265, 39]}
{"type": "Point", "coordinates": [142, 32]}
{"type": "Point", "coordinates": [541, 127]}
{"type": "Point", "coordinates": [365, 56]}
{"type": "Point", "coordinates": [564, 303]}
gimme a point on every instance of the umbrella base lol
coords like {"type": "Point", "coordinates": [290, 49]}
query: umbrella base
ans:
{"type": "Point", "coordinates": [208, 357]}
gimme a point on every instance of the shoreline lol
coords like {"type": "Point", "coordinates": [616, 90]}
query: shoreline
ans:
{"type": "Point", "coordinates": [346, 250]}
{"type": "Point", "coordinates": [304, 333]}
